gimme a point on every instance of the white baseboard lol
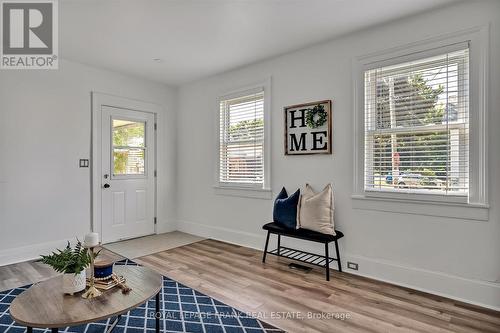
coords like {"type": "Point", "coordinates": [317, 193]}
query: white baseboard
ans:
{"type": "Point", "coordinates": [482, 293]}
{"type": "Point", "coordinates": [247, 239]}
{"type": "Point", "coordinates": [477, 292]}
{"type": "Point", "coordinates": [162, 228]}
{"type": "Point", "coordinates": [30, 252]}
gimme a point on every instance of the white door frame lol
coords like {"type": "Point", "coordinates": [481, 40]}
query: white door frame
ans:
{"type": "Point", "coordinates": [99, 100]}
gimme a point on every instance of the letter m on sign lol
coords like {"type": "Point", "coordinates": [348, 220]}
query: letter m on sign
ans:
{"type": "Point", "coordinates": [299, 144]}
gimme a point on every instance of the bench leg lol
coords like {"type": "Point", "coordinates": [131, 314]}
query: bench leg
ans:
{"type": "Point", "coordinates": [327, 265]}
{"type": "Point", "coordinates": [265, 247]}
{"type": "Point", "coordinates": [279, 243]}
{"type": "Point", "coordinates": [339, 262]}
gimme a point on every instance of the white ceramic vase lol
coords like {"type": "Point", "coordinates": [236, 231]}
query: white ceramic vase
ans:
{"type": "Point", "coordinates": [73, 283]}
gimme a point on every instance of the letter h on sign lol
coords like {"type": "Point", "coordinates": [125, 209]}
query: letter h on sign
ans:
{"type": "Point", "coordinates": [302, 118]}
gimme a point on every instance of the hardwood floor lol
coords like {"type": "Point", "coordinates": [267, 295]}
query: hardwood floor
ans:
{"type": "Point", "coordinates": [23, 273]}
{"type": "Point", "coordinates": [235, 275]}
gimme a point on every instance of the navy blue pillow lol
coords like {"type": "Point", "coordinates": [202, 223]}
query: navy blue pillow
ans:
{"type": "Point", "coordinates": [285, 209]}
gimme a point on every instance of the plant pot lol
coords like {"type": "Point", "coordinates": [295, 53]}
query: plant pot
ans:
{"type": "Point", "coordinates": [73, 283]}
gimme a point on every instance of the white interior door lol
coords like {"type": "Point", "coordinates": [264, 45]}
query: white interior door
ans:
{"type": "Point", "coordinates": [127, 179]}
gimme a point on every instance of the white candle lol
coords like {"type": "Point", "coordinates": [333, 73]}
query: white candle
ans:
{"type": "Point", "coordinates": [91, 239]}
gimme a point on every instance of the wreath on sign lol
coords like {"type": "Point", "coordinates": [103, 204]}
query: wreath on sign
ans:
{"type": "Point", "coordinates": [316, 117]}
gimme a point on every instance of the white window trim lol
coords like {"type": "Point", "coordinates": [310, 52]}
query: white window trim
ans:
{"type": "Point", "coordinates": [240, 190]}
{"type": "Point", "coordinates": [476, 205]}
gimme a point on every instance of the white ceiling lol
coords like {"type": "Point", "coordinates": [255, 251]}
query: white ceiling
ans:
{"type": "Point", "coordinates": [198, 38]}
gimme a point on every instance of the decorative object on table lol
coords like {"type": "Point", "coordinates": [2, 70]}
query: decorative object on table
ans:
{"type": "Point", "coordinates": [315, 210]}
{"type": "Point", "coordinates": [285, 208]}
{"type": "Point", "coordinates": [105, 279]}
{"type": "Point", "coordinates": [308, 128]}
{"type": "Point", "coordinates": [120, 282]}
{"type": "Point", "coordinates": [72, 263]}
{"type": "Point", "coordinates": [103, 269]}
{"type": "Point", "coordinates": [91, 241]}
{"type": "Point", "coordinates": [108, 283]}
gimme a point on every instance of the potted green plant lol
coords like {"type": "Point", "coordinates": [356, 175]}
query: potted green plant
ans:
{"type": "Point", "coordinates": [72, 263]}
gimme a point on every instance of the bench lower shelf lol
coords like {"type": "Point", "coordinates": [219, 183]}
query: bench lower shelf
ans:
{"type": "Point", "coordinates": [302, 256]}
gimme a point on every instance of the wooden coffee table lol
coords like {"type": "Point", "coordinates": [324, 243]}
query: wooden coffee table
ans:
{"type": "Point", "coordinates": [44, 305]}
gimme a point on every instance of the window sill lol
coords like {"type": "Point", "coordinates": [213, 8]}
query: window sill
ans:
{"type": "Point", "coordinates": [464, 211]}
{"type": "Point", "coordinates": [244, 192]}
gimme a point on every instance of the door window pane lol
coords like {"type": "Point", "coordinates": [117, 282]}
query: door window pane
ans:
{"type": "Point", "coordinates": [128, 161]}
{"type": "Point", "coordinates": [129, 150]}
{"type": "Point", "coordinates": [128, 133]}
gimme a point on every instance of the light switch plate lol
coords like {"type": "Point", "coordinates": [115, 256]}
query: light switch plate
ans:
{"type": "Point", "coordinates": [84, 163]}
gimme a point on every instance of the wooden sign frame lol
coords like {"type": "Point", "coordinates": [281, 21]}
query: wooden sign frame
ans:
{"type": "Point", "coordinates": [328, 127]}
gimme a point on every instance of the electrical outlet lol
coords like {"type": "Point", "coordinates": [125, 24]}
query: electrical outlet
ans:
{"type": "Point", "coordinates": [84, 163]}
{"type": "Point", "coordinates": [352, 265]}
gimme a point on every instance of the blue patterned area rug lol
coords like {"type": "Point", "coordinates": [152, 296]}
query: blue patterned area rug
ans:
{"type": "Point", "coordinates": [183, 310]}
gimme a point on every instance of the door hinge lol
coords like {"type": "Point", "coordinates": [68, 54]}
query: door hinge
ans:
{"type": "Point", "coordinates": [156, 126]}
{"type": "Point", "coordinates": [155, 173]}
{"type": "Point", "coordinates": [154, 219]}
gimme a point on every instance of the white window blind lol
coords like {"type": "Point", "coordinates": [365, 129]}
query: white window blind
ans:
{"type": "Point", "coordinates": [241, 139]}
{"type": "Point", "coordinates": [417, 126]}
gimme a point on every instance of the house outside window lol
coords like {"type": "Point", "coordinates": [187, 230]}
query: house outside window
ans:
{"type": "Point", "coordinates": [417, 126]}
{"type": "Point", "coordinates": [420, 127]}
{"type": "Point", "coordinates": [243, 140]}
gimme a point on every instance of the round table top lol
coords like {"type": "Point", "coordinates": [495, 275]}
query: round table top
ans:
{"type": "Point", "coordinates": [44, 305]}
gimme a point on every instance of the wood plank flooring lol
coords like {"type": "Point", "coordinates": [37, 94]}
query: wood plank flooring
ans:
{"type": "Point", "coordinates": [235, 275]}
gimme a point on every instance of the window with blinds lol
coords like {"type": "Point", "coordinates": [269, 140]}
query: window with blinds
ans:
{"type": "Point", "coordinates": [241, 139]}
{"type": "Point", "coordinates": [417, 126]}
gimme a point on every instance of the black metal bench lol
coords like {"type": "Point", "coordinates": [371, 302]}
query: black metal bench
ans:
{"type": "Point", "coordinates": [306, 257]}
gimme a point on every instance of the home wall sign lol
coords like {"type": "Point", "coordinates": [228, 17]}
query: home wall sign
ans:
{"type": "Point", "coordinates": [308, 128]}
